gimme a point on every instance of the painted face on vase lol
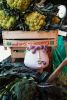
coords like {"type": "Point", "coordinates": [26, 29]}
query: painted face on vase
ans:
{"type": "Point", "coordinates": [36, 57]}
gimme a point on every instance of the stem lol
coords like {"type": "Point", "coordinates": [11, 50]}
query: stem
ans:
{"type": "Point", "coordinates": [57, 71]}
{"type": "Point", "coordinates": [41, 3]}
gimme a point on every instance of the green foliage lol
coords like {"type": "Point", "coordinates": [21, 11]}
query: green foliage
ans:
{"type": "Point", "coordinates": [62, 79]}
{"type": "Point", "coordinates": [15, 87]}
{"type": "Point", "coordinates": [44, 19]}
{"type": "Point", "coordinates": [24, 89]}
{"type": "Point", "coordinates": [61, 87]}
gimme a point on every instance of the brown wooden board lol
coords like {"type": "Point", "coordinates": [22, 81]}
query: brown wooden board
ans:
{"type": "Point", "coordinates": [22, 39]}
{"type": "Point", "coordinates": [18, 40]}
{"type": "Point", "coordinates": [17, 52]}
{"type": "Point", "coordinates": [24, 43]}
{"type": "Point", "coordinates": [29, 34]}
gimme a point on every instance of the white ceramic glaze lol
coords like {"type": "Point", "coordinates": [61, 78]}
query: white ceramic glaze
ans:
{"type": "Point", "coordinates": [62, 11]}
{"type": "Point", "coordinates": [32, 59]}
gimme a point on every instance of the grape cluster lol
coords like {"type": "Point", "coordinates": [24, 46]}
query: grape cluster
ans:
{"type": "Point", "coordinates": [35, 21]}
{"type": "Point", "coordinates": [6, 21]}
{"type": "Point", "coordinates": [19, 4]}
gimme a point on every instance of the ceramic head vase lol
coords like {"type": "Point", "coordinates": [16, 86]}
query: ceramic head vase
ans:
{"type": "Point", "coordinates": [36, 57]}
{"type": "Point", "coordinates": [62, 11]}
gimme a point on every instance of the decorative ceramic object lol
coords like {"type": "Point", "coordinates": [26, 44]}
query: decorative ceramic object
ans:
{"type": "Point", "coordinates": [36, 57]}
{"type": "Point", "coordinates": [62, 11]}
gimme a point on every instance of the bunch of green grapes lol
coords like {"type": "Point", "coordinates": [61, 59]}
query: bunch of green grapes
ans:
{"type": "Point", "coordinates": [35, 21]}
{"type": "Point", "coordinates": [6, 21]}
{"type": "Point", "coordinates": [19, 4]}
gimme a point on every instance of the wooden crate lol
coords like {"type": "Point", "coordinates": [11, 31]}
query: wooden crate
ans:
{"type": "Point", "coordinates": [18, 40]}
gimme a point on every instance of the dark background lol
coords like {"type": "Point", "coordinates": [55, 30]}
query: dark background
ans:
{"type": "Point", "coordinates": [64, 2]}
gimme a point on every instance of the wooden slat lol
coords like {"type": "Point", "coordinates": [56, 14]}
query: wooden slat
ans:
{"type": "Point", "coordinates": [18, 43]}
{"type": "Point", "coordinates": [16, 48]}
{"type": "Point", "coordinates": [18, 40]}
{"type": "Point", "coordinates": [17, 55]}
{"type": "Point", "coordinates": [28, 34]}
